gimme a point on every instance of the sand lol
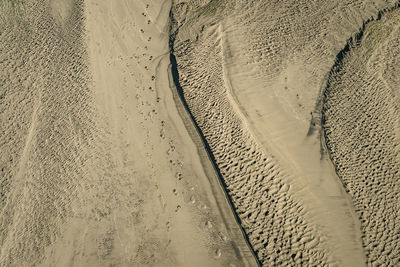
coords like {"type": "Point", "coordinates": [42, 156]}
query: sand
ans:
{"type": "Point", "coordinates": [366, 111]}
{"type": "Point", "coordinates": [98, 167]}
{"type": "Point", "coordinates": [265, 80]}
{"type": "Point", "coordinates": [199, 133]}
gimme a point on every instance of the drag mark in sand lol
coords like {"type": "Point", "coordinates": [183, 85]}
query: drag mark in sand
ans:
{"type": "Point", "coordinates": [28, 143]}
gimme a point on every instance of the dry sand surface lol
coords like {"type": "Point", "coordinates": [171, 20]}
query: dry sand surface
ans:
{"type": "Point", "coordinates": [362, 103]}
{"type": "Point", "coordinates": [254, 74]}
{"type": "Point", "coordinates": [199, 133]}
{"type": "Point", "coordinates": [98, 167]}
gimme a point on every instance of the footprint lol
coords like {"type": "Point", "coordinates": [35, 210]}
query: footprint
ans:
{"type": "Point", "coordinates": [223, 236]}
{"type": "Point", "coordinates": [178, 175]}
{"type": "Point", "coordinates": [218, 253]}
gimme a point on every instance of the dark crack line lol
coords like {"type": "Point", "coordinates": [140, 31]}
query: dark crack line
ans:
{"type": "Point", "coordinates": [352, 42]}
{"type": "Point", "coordinates": [175, 75]}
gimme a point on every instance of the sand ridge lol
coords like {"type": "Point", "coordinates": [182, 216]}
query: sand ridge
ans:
{"type": "Point", "coordinates": [282, 62]}
{"type": "Point", "coordinates": [254, 182]}
{"type": "Point", "coordinates": [361, 124]}
{"type": "Point", "coordinates": [199, 133]}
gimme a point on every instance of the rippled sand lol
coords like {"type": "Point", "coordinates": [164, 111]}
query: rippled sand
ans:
{"type": "Point", "coordinates": [199, 133]}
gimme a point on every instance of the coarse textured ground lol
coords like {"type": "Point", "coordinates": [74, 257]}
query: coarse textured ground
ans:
{"type": "Point", "coordinates": [362, 126]}
{"type": "Point", "coordinates": [199, 133]}
{"type": "Point", "coordinates": [97, 166]}
{"type": "Point", "coordinates": [254, 75]}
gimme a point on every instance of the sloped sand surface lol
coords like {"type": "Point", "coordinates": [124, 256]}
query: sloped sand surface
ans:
{"type": "Point", "coordinates": [254, 82]}
{"type": "Point", "coordinates": [270, 216]}
{"type": "Point", "coordinates": [199, 133]}
{"type": "Point", "coordinates": [46, 126]}
{"type": "Point", "coordinates": [98, 168]}
{"type": "Point", "coordinates": [362, 104]}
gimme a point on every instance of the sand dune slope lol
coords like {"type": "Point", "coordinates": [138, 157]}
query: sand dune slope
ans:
{"type": "Point", "coordinates": [253, 73]}
{"type": "Point", "coordinates": [97, 165]}
{"type": "Point", "coordinates": [199, 133]}
{"type": "Point", "coordinates": [361, 113]}
{"type": "Point", "coordinates": [46, 128]}
{"type": "Point", "coordinates": [275, 221]}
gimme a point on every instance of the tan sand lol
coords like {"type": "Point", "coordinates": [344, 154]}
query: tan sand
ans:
{"type": "Point", "coordinates": [98, 166]}
{"type": "Point", "coordinates": [259, 69]}
{"type": "Point", "coordinates": [362, 105]}
{"type": "Point", "coordinates": [199, 133]}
